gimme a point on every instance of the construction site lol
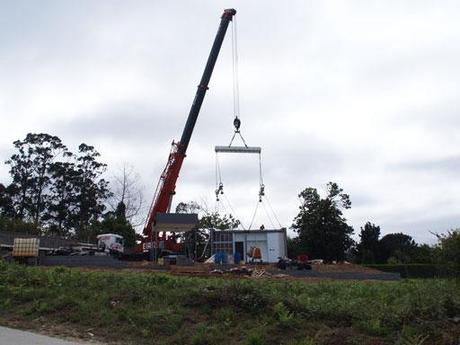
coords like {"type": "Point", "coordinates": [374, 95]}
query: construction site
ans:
{"type": "Point", "coordinates": [225, 251]}
{"type": "Point", "coordinates": [210, 273]}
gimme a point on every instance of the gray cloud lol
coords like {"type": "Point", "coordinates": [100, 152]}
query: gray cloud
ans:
{"type": "Point", "coordinates": [127, 123]}
{"type": "Point", "coordinates": [449, 165]}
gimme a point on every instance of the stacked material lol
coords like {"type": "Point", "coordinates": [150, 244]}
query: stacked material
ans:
{"type": "Point", "coordinates": [26, 247]}
{"type": "Point", "coordinates": [244, 271]}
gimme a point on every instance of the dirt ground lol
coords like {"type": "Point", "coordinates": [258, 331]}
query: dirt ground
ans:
{"type": "Point", "coordinates": [318, 272]}
{"type": "Point", "coordinates": [254, 271]}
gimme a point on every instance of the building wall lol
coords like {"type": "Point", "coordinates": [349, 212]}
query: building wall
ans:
{"type": "Point", "coordinates": [271, 243]}
{"type": "Point", "coordinates": [252, 239]}
{"type": "Point", "coordinates": [222, 241]}
{"type": "Point", "coordinates": [276, 246]}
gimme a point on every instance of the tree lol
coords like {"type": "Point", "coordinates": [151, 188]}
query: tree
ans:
{"type": "Point", "coordinates": [18, 225]}
{"type": "Point", "coordinates": [29, 169]}
{"type": "Point", "coordinates": [116, 223]}
{"type": "Point", "coordinates": [368, 247]}
{"type": "Point", "coordinates": [423, 254]}
{"type": "Point", "coordinates": [6, 201]}
{"type": "Point", "coordinates": [126, 189]}
{"type": "Point", "coordinates": [208, 220]}
{"type": "Point", "coordinates": [449, 245]}
{"type": "Point", "coordinates": [59, 192]}
{"type": "Point", "coordinates": [220, 222]}
{"type": "Point", "coordinates": [91, 191]}
{"type": "Point", "coordinates": [188, 207]}
{"type": "Point", "coordinates": [62, 209]}
{"type": "Point", "coordinates": [294, 247]}
{"type": "Point", "coordinates": [322, 229]}
{"type": "Point", "coordinates": [398, 247]}
{"type": "Point", "coordinates": [196, 239]}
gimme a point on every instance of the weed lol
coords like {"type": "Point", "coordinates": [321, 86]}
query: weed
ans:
{"type": "Point", "coordinates": [255, 339]}
{"type": "Point", "coordinates": [411, 336]}
{"type": "Point", "coordinates": [282, 314]}
{"type": "Point", "coordinates": [306, 341]}
{"type": "Point", "coordinates": [412, 340]}
{"type": "Point", "coordinates": [226, 316]}
{"type": "Point", "coordinates": [205, 335]}
{"type": "Point", "coordinates": [199, 338]}
{"type": "Point", "coordinates": [372, 327]}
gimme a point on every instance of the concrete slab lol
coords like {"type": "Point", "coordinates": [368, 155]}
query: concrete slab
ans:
{"type": "Point", "coordinates": [12, 336]}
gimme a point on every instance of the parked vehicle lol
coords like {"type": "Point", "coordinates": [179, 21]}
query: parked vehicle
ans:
{"type": "Point", "coordinates": [111, 244]}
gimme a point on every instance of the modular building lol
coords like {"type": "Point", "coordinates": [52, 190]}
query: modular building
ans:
{"type": "Point", "coordinates": [272, 243]}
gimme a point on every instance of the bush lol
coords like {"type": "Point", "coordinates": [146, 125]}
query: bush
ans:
{"type": "Point", "coordinates": [256, 339]}
{"type": "Point", "coordinates": [450, 246]}
{"type": "Point", "coordinates": [283, 315]}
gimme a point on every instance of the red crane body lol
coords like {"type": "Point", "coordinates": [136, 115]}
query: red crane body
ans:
{"type": "Point", "coordinates": [167, 184]}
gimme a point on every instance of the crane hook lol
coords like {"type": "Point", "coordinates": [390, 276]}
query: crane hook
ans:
{"type": "Point", "coordinates": [219, 190]}
{"type": "Point", "coordinates": [237, 124]}
{"type": "Point", "coordinates": [261, 192]}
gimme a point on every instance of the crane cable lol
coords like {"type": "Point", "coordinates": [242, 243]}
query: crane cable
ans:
{"type": "Point", "coordinates": [236, 86]}
{"type": "Point", "coordinates": [273, 211]}
{"type": "Point", "coordinates": [267, 213]}
{"type": "Point", "coordinates": [254, 215]}
{"type": "Point", "coordinates": [268, 216]}
{"type": "Point", "coordinates": [233, 211]}
{"type": "Point", "coordinates": [219, 191]}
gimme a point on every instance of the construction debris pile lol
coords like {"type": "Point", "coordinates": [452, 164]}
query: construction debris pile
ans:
{"type": "Point", "coordinates": [317, 271]}
{"type": "Point", "coordinates": [253, 272]}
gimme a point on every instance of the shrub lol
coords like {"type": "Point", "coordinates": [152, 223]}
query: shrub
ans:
{"type": "Point", "coordinates": [373, 327]}
{"type": "Point", "coordinates": [283, 315]}
{"type": "Point", "coordinates": [255, 339]}
{"type": "Point", "coordinates": [306, 341]}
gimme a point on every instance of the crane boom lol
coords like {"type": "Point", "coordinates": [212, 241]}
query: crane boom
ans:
{"type": "Point", "coordinates": [167, 183]}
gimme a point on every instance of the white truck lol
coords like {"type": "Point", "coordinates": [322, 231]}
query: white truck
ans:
{"type": "Point", "coordinates": [111, 243]}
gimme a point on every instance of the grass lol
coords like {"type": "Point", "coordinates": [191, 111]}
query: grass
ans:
{"type": "Point", "coordinates": [153, 308]}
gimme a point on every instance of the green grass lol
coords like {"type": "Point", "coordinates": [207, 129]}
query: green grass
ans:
{"type": "Point", "coordinates": [153, 308]}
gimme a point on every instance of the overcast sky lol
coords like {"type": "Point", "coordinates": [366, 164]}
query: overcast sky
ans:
{"type": "Point", "coordinates": [363, 93]}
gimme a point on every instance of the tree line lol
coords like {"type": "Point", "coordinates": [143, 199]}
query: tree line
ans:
{"type": "Point", "coordinates": [322, 232]}
{"type": "Point", "coordinates": [54, 191]}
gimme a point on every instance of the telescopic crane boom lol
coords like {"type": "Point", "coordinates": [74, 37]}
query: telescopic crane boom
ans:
{"type": "Point", "coordinates": [167, 183]}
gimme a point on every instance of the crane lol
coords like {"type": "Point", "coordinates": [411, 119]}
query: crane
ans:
{"type": "Point", "coordinates": [167, 184]}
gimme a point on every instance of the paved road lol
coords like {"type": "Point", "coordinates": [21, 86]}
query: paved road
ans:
{"type": "Point", "coordinates": [9, 336]}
